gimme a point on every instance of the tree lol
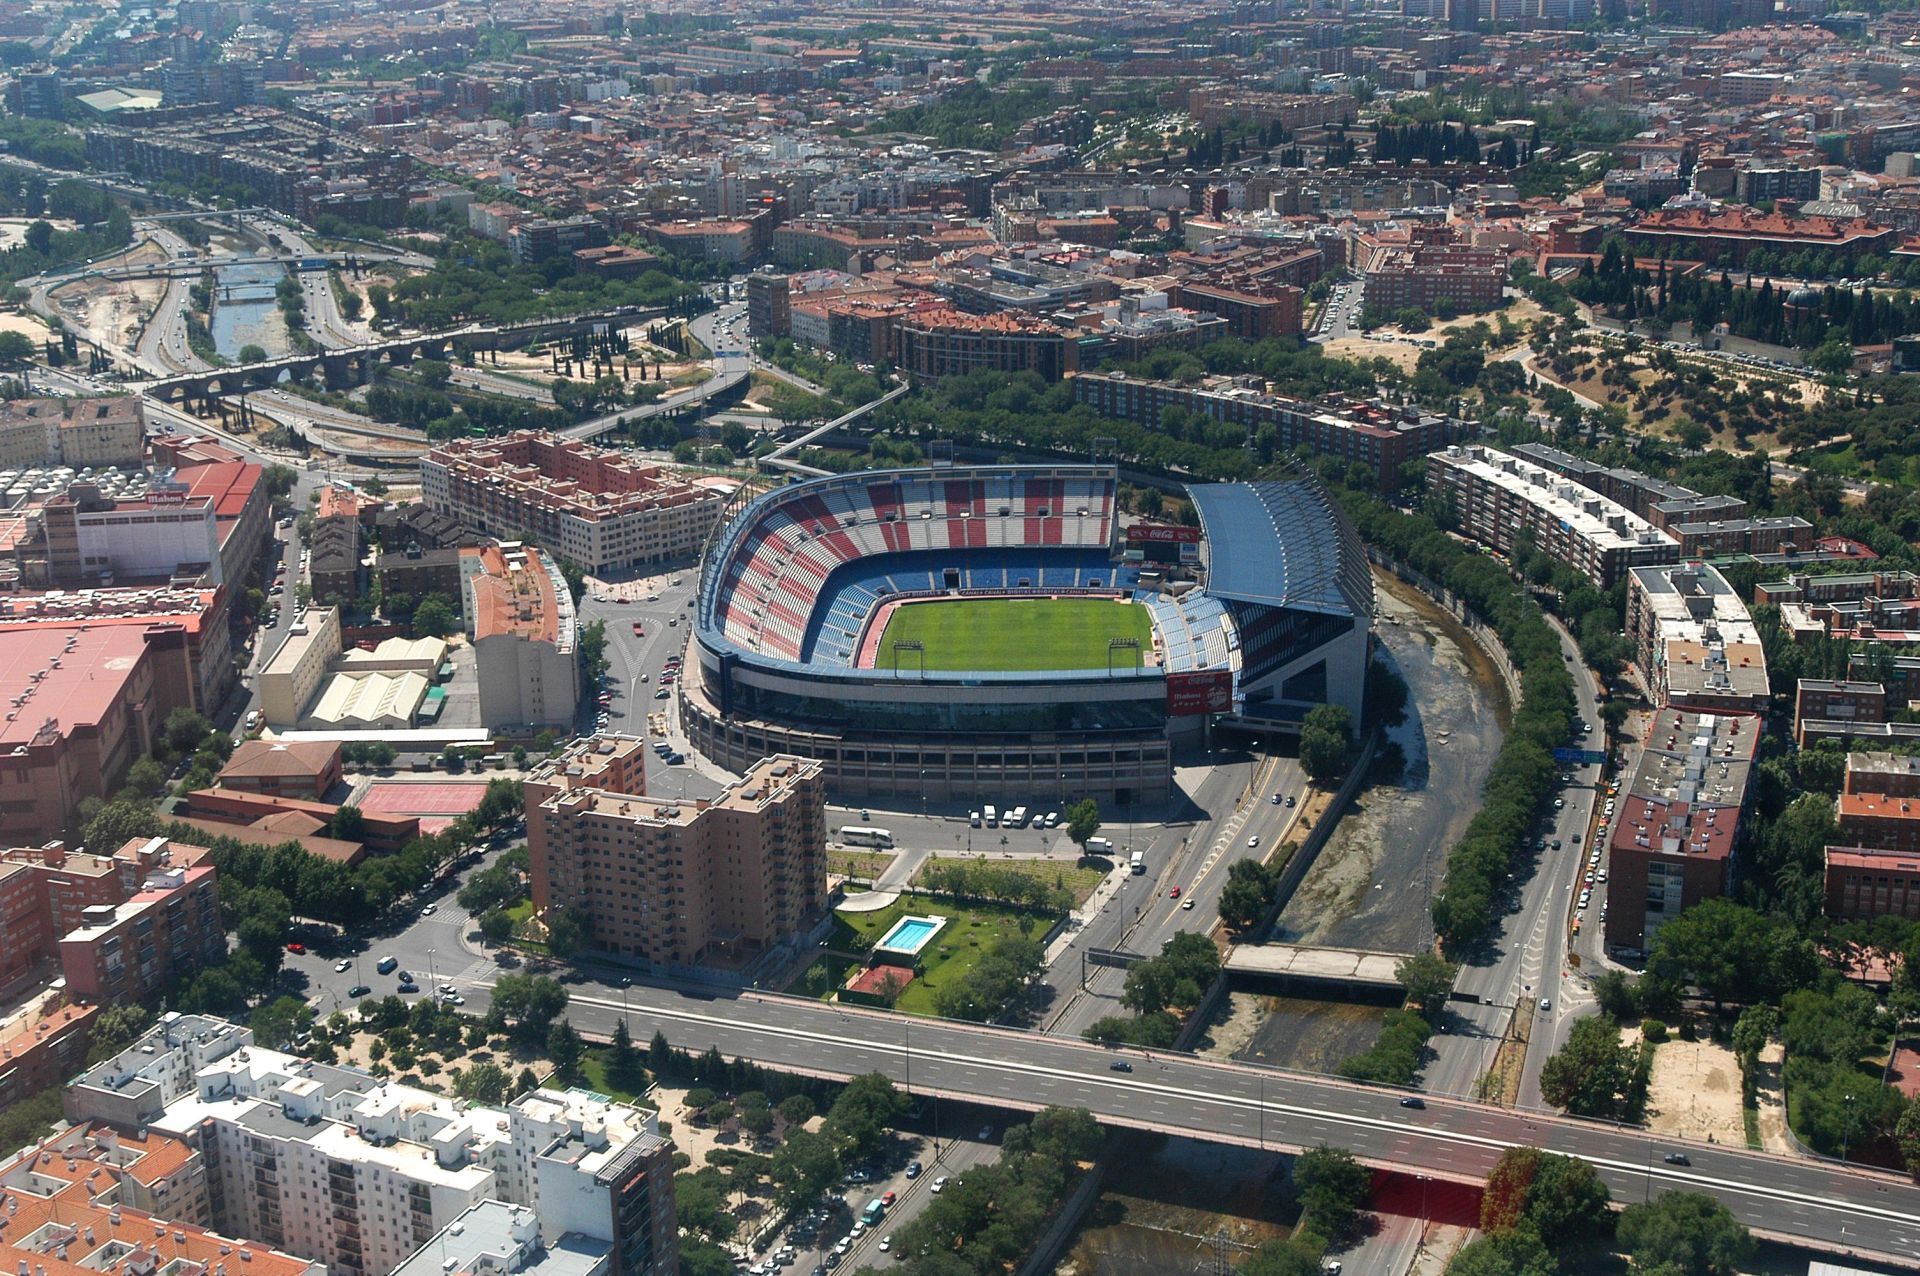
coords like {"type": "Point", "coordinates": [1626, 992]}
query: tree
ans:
{"type": "Point", "coordinates": [496, 927]}
{"type": "Point", "coordinates": [528, 1003]}
{"type": "Point", "coordinates": [1731, 952]}
{"type": "Point", "coordinates": [349, 824]}
{"type": "Point", "coordinates": [16, 348]}
{"type": "Point", "coordinates": [565, 932]}
{"type": "Point", "coordinates": [1520, 1253]}
{"type": "Point", "coordinates": [185, 729]}
{"type": "Point", "coordinates": [796, 1109]}
{"type": "Point", "coordinates": [700, 1204]}
{"type": "Point", "coordinates": [1083, 822]}
{"type": "Point", "coordinates": [435, 618]}
{"type": "Point", "coordinates": [1427, 978]}
{"type": "Point", "coordinates": [526, 1082]}
{"type": "Point", "coordinates": [565, 1049]}
{"type": "Point", "coordinates": [1333, 1186]}
{"type": "Point", "coordinates": [1326, 740]}
{"type": "Point", "coordinates": [115, 1028]}
{"type": "Point", "coordinates": [866, 1109]}
{"type": "Point", "coordinates": [1245, 896]}
{"type": "Point", "coordinates": [1686, 1232]}
{"type": "Point", "coordinates": [276, 1024]}
{"type": "Point", "coordinates": [659, 1054]}
{"type": "Point", "coordinates": [623, 1059]}
{"type": "Point", "coordinates": [1296, 1256]}
{"type": "Point", "coordinates": [806, 1165]}
{"type": "Point", "coordinates": [433, 373]}
{"type": "Point", "coordinates": [146, 778]}
{"type": "Point", "coordinates": [483, 1083]}
{"type": "Point", "coordinates": [1587, 1075]}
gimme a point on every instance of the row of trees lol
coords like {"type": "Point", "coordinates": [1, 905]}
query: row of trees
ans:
{"type": "Point", "coordinates": [1543, 1213]}
{"type": "Point", "coordinates": [973, 881]}
{"type": "Point", "coordinates": [1523, 776]}
{"type": "Point", "coordinates": [477, 280]}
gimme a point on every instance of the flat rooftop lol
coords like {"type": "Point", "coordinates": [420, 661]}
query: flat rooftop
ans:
{"type": "Point", "coordinates": [1604, 523]}
{"type": "Point", "coordinates": [59, 680]}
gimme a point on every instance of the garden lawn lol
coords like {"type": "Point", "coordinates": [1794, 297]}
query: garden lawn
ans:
{"type": "Point", "coordinates": [971, 930]}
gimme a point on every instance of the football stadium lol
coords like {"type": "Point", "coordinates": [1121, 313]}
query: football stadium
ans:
{"type": "Point", "coordinates": [968, 632]}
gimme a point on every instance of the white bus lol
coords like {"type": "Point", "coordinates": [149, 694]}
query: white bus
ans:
{"type": "Point", "coordinates": [855, 835]}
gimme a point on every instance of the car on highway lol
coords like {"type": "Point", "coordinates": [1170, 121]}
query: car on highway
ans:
{"type": "Point", "coordinates": [639, 630]}
{"type": "Point", "coordinates": [409, 986]}
{"type": "Point", "coordinates": [1253, 841]}
{"type": "Point", "coordinates": [1545, 1004]}
{"type": "Point", "coordinates": [1174, 893]}
{"type": "Point", "coordinates": [430, 910]}
{"type": "Point", "coordinates": [1413, 1101]}
{"type": "Point", "coordinates": [1278, 798]}
{"type": "Point", "coordinates": [358, 990]}
{"type": "Point", "coordinates": [939, 1184]}
{"type": "Point", "coordinates": [1120, 1065]}
{"type": "Point", "coordinates": [1676, 1158]}
{"type": "Point", "coordinates": [886, 1243]}
{"type": "Point", "coordinates": [1187, 903]}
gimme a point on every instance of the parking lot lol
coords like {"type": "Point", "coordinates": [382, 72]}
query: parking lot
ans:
{"type": "Point", "coordinates": [903, 1181]}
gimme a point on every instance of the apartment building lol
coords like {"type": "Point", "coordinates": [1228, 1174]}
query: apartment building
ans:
{"type": "Point", "coordinates": [107, 432]}
{"type": "Point", "coordinates": [359, 1174]}
{"type": "Point", "coordinates": [1694, 640]}
{"type": "Point", "coordinates": [1499, 499]}
{"type": "Point", "coordinates": [1429, 270]}
{"type": "Point", "coordinates": [127, 952]}
{"type": "Point", "coordinates": [1863, 882]}
{"type": "Point", "coordinates": [1820, 704]}
{"type": "Point", "coordinates": [694, 886]}
{"type": "Point", "coordinates": [941, 342]}
{"type": "Point", "coordinates": [1879, 806]}
{"type": "Point", "coordinates": [41, 1044]}
{"type": "Point", "coordinates": [519, 614]}
{"type": "Point", "coordinates": [1671, 845]}
{"type": "Point", "coordinates": [769, 298]}
{"type": "Point", "coordinates": [1661, 503]}
{"type": "Point", "coordinates": [95, 1199]}
{"type": "Point", "coordinates": [588, 505]}
{"type": "Point", "coordinates": [540, 239]}
{"type": "Point", "coordinates": [1379, 435]}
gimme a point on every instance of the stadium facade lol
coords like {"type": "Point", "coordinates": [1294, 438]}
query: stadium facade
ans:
{"type": "Point", "coordinates": [1269, 617]}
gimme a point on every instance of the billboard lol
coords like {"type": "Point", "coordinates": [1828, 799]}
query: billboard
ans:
{"type": "Point", "coordinates": [1205, 691]}
{"type": "Point", "coordinates": [1162, 533]}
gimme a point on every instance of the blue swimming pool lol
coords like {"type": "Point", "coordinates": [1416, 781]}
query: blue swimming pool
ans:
{"type": "Point", "coordinates": [906, 937]}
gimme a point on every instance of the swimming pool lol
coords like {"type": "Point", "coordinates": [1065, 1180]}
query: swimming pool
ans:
{"type": "Point", "coordinates": [906, 937]}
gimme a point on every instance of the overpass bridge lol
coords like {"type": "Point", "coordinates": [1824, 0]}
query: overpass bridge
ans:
{"type": "Point", "coordinates": [345, 366]}
{"type": "Point", "coordinates": [1836, 1208]}
{"type": "Point", "coordinates": [1352, 970]}
{"type": "Point", "coordinates": [193, 267]}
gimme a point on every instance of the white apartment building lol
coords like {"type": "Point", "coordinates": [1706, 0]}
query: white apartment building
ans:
{"type": "Point", "coordinates": [336, 1165]}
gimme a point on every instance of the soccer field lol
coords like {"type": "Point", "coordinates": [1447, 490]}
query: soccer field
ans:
{"type": "Point", "coordinates": [1011, 634]}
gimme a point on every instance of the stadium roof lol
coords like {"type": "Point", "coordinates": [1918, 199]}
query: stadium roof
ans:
{"type": "Point", "coordinates": [1282, 544]}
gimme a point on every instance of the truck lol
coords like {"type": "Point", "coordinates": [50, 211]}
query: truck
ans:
{"type": "Point", "coordinates": [1099, 846]}
{"type": "Point", "coordinates": [1139, 863]}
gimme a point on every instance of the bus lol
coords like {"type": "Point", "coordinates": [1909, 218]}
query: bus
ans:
{"type": "Point", "coordinates": [855, 835]}
{"type": "Point", "coordinates": [874, 1212]}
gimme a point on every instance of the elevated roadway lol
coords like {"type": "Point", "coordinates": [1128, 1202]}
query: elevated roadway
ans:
{"type": "Point", "coordinates": [1841, 1210]}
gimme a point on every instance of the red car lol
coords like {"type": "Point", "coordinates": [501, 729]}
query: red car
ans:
{"type": "Point", "coordinates": [886, 1199]}
{"type": "Point", "coordinates": [1174, 893]}
{"type": "Point", "coordinates": [639, 631]}
{"type": "Point", "coordinates": [296, 947]}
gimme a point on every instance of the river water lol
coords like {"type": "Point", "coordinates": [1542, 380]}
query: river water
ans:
{"type": "Point", "coordinates": [246, 312]}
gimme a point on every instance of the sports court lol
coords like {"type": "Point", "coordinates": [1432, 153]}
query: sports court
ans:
{"type": "Point", "coordinates": [1008, 635]}
{"type": "Point", "coordinates": [437, 802]}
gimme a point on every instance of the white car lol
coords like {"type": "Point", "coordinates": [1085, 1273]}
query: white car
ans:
{"type": "Point", "coordinates": [939, 1183]}
{"type": "Point", "coordinates": [342, 966]}
{"type": "Point", "coordinates": [886, 1243]}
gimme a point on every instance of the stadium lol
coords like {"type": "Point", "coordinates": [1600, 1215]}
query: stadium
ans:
{"type": "Point", "coordinates": [990, 633]}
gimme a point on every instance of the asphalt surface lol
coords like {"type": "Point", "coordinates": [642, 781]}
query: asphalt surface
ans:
{"type": "Point", "coordinates": [1526, 962]}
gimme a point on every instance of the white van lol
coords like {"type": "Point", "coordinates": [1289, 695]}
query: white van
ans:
{"type": "Point", "coordinates": [993, 817]}
{"type": "Point", "coordinates": [1017, 817]}
{"type": "Point", "coordinates": [1139, 863]}
{"type": "Point", "coordinates": [973, 818]}
{"type": "Point", "coordinates": [1099, 846]}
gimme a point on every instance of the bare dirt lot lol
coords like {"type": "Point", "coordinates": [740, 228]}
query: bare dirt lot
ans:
{"type": "Point", "coordinates": [1695, 1091]}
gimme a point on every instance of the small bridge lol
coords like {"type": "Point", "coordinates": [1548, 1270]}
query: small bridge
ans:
{"type": "Point", "coordinates": [193, 267]}
{"type": "Point", "coordinates": [1346, 969]}
{"type": "Point", "coordinates": [348, 366]}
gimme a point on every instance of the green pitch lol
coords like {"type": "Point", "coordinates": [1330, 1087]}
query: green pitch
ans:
{"type": "Point", "coordinates": [1013, 634]}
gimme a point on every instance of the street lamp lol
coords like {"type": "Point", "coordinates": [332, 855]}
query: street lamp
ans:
{"type": "Point", "coordinates": [1846, 1126]}
{"type": "Point", "coordinates": [433, 978]}
{"type": "Point", "coordinates": [625, 983]}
